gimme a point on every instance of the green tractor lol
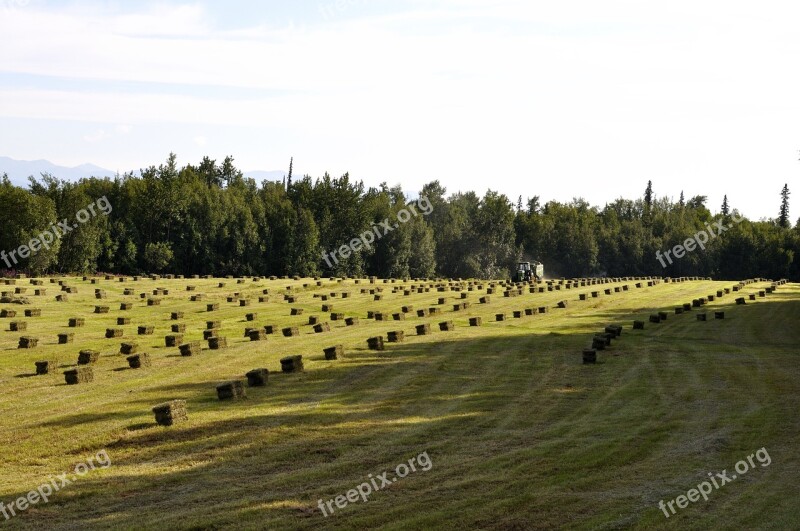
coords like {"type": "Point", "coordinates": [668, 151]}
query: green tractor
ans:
{"type": "Point", "coordinates": [529, 271]}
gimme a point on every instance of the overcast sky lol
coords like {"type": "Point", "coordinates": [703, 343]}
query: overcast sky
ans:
{"type": "Point", "coordinates": [559, 99]}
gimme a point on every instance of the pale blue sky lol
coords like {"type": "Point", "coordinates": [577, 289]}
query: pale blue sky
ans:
{"type": "Point", "coordinates": [556, 99]}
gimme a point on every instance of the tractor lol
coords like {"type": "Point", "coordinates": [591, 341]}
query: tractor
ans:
{"type": "Point", "coordinates": [529, 271]}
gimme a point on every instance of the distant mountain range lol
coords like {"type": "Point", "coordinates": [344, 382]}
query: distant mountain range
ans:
{"type": "Point", "coordinates": [19, 170]}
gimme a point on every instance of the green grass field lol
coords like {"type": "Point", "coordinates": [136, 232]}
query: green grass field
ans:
{"type": "Point", "coordinates": [519, 433]}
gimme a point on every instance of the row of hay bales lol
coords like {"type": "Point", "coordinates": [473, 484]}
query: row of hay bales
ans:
{"type": "Point", "coordinates": [598, 343]}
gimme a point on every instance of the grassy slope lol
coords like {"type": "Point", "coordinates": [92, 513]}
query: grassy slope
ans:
{"type": "Point", "coordinates": [521, 435]}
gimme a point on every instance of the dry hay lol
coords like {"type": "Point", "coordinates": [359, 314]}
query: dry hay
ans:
{"type": "Point", "coordinates": [562, 304]}
{"type": "Point", "coordinates": [190, 349]}
{"type": "Point", "coordinates": [123, 321]}
{"type": "Point", "coordinates": [79, 375]}
{"type": "Point", "coordinates": [740, 300]}
{"type": "Point", "coordinates": [655, 318]}
{"type": "Point", "coordinates": [28, 342]}
{"type": "Point", "coordinates": [128, 348]}
{"type": "Point", "coordinates": [446, 326]}
{"type": "Point", "coordinates": [616, 330]}
{"type": "Point", "coordinates": [145, 330]}
{"type": "Point", "coordinates": [101, 309]}
{"type": "Point", "coordinates": [638, 325]}
{"type": "Point", "coordinates": [322, 327]}
{"type": "Point", "coordinates": [257, 335]}
{"type": "Point", "coordinates": [87, 357]}
{"type": "Point", "coordinates": [598, 343]}
{"type": "Point", "coordinates": [244, 302]}
{"type": "Point", "coordinates": [396, 336]}
{"type": "Point", "coordinates": [33, 312]}
{"type": "Point", "coordinates": [375, 343]}
{"type": "Point", "coordinates": [422, 312]}
{"type": "Point", "coordinates": [518, 314]}
{"type": "Point", "coordinates": [176, 316]}
{"type": "Point", "coordinates": [269, 329]}
{"type": "Point", "coordinates": [257, 377]}
{"type": "Point", "coordinates": [589, 356]}
{"type": "Point", "coordinates": [137, 361]}
{"type": "Point", "coordinates": [114, 332]}
{"type": "Point", "coordinates": [178, 328]}
{"type": "Point", "coordinates": [351, 321]}
{"type": "Point", "coordinates": [251, 316]}
{"type": "Point", "coordinates": [46, 366]}
{"type": "Point", "coordinates": [66, 337]}
{"type": "Point", "coordinates": [292, 363]}
{"type": "Point", "coordinates": [217, 342]}
{"type": "Point", "coordinates": [719, 315]}
{"type": "Point", "coordinates": [423, 329]}
{"type": "Point", "coordinates": [334, 353]}
{"type": "Point", "coordinates": [663, 315]}
{"type": "Point", "coordinates": [173, 340]}
{"type": "Point", "coordinates": [337, 316]}
{"type": "Point", "coordinates": [212, 307]}
{"type": "Point", "coordinates": [701, 316]}
{"type": "Point", "coordinates": [500, 317]}
{"type": "Point", "coordinates": [153, 302]}
{"type": "Point", "coordinates": [531, 311]}
{"type": "Point", "coordinates": [400, 316]}
{"type": "Point", "coordinates": [475, 321]}
{"type": "Point", "coordinates": [17, 326]}
{"type": "Point", "coordinates": [171, 412]}
{"type": "Point", "coordinates": [296, 311]}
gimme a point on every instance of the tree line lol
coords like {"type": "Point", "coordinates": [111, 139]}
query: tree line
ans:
{"type": "Point", "coordinates": [209, 219]}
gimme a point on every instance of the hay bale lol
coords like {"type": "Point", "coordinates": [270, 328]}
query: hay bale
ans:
{"type": "Point", "coordinates": [422, 312]}
{"type": "Point", "coordinates": [377, 297]}
{"type": "Point", "coordinates": [257, 335]}
{"type": "Point", "coordinates": [663, 315]}
{"type": "Point", "coordinates": [375, 343]}
{"type": "Point", "coordinates": [153, 302]}
{"type": "Point", "coordinates": [562, 304]}
{"type": "Point", "coordinates": [485, 300]}
{"type": "Point", "coordinates": [87, 357]}
{"type": "Point", "coordinates": [297, 311]}
{"type": "Point", "coordinates": [46, 366]}
{"type": "Point", "coordinates": [447, 326]}
{"type": "Point", "coordinates": [28, 342]}
{"type": "Point", "coordinates": [752, 296]}
{"type": "Point", "coordinates": [251, 316]}
{"type": "Point", "coordinates": [719, 315]}
{"type": "Point", "coordinates": [380, 316]}
{"type": "Point", "coordinates": [79, 375]}
{"type": "Point", "coordinates": [123, 321]}
{"type": "Point", "coordinates": [616, 330]}
{"type": "Point", "coordinates": [701, 316]}
{"type": "Point", "coordinates": [198, 297]}
{"type": "Point", "coordinates": [269, 329]}
{"type": "Point", "coordinates": [531, 311]}
{"type": "Point", "coordinates": [582, 296]}
{"type": "Point", "coordinates": [322, 327]}
{"type": "Point", "coordinates": [173, 340]}
{"type": "Point", "coordinates": [518, 314]}
{"type": "Point", "coordinates": [178, 328]}
{"type": "Point", "coordinates": [423, 329]}
{"type": "Point", "coordinates": [396, 336]}
{"type": "Point", "coordinates": [337, 316]}
{"type": "Point", "coordinates": [231, 390]}
{"type": "Point", "coordinates": [740, 300]}
{"type": "Point", "coordinates": [257, 377]}
{"type": "Point", "coordinates": [176, 316]}
{"type": "Point", "coordinates": [137, 361]}
{"type": "Point", "coordinates": [212, 307]}
{"type": "Point", "coordinates": [125, 305]}
{"type": "Point", "coordinates": [190, 349]}
{"type": "Point", "coordinates": [638, 325]}
{"type": "Point", "coordinates": [128, 348]}
{"type": "Point", "coordinates": [292, 363]}
{"type": "Point", "coordinates": [589, 356]}
{"type": "Point", "coordinates": [171, 412]}
{"type": "Point", "coordinates": [655, 318]}
{"type": "Point", "coordinates": [17, 326]}
{"type": "Point", "coordinates": [145, 330]}
{"type": "Point", "coordinates": [598, 343]}
{"type": "Point", "coordinates": [217, 342]}
{"type": "Point", "coordinates": [62, 298]}
{"type": "Point", "coordinates": [678, 310]}
{"type": "Point", "coordinates": [334, 353]}
{"type": "Point", "coordinates": [475, 321]}
{"type": "Point", "coordinates": [33, 312]}
{"type": "Point", "coordinates": [407, 309]}
{"type": "Point", "coordinates": [327, 308]}
{"type": "Point", "coordinates": [244, 302]}
{"type": "Point", "coordinates": [687, 307]}
{"type": "Point", "coordinates": [400, 316]}
{"type": "Point", "coordinates": [351, 321]}
{"type": "Point", "coordinates": [542, 309]}
{"type": "Point", "coordinates": [66, 337]}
